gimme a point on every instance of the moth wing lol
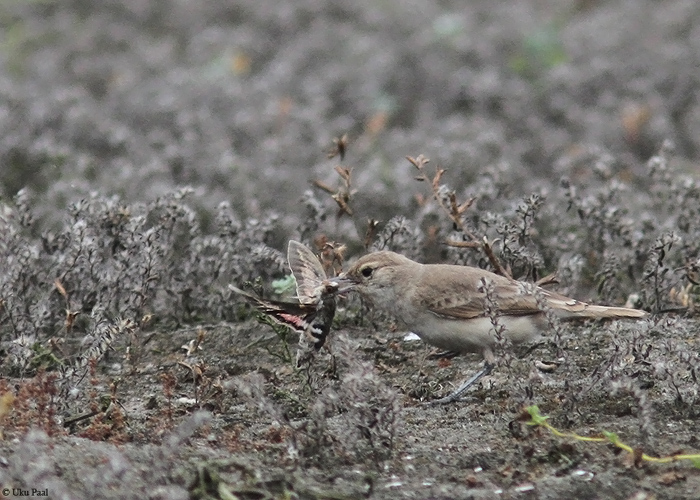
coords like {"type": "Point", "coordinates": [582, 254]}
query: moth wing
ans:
{"type": "Point", "coordinates": [307, 271]}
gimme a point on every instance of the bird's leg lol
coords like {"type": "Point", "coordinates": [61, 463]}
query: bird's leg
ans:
{"type": "Point", "coordinates": [455, 396]}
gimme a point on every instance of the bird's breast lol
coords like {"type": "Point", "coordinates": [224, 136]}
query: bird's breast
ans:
{"type": "Point", "coordinates": [476, 334]}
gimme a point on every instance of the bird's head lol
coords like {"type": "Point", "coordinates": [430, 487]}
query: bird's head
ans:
{"type": "Point", "coordinates": [377, 275]}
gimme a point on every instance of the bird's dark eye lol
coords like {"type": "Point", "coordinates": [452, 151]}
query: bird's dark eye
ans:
{"type": "Point", "coordinates": [367, 272]}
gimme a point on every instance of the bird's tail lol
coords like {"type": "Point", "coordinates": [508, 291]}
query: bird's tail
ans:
{"type": "Point", "coordinates": [567, 308]}
{"type": "Point", "coordinates": [611, 312]}
{"type": "Point", "coordinates": [588, 311]}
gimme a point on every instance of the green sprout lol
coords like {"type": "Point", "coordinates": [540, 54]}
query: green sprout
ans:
{"type": "Point", "coordinates": [540, 420]}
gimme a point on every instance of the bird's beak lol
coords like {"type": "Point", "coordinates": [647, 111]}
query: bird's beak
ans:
{"type": "Point", "coordinates": [342, 282]}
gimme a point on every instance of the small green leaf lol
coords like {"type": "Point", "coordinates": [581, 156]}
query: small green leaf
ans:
{"type": "Point", "coordinates": [537, 419]}
{"type": "Point", "coordinates": [285, 285]}
{"type": "Point", "coordinates": [611, 436]}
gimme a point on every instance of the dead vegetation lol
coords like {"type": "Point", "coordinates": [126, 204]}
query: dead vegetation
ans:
{"type": "Point", "coordinates": [130, 370]}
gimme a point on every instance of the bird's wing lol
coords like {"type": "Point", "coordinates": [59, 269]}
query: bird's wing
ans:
{"type": "Point", "coordinates": [474, 306]}
{"type": "Point", "coordinates": [462, 299]}
{"type": "Point", "coordinates": [514, 299]}
{"type": "Point", "coordinates": [308, 272]}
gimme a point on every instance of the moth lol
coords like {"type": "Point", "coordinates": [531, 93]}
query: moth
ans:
{"type": "Point", "coordinates": [312, 316]}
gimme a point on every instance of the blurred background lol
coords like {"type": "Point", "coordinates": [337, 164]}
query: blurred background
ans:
{"type": "Point", "coordinates": [241, 100]}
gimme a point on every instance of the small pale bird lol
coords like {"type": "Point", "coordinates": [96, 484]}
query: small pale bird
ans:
{"type": "Point", "coordinates": [312, 316]}
{"type": "Point", "coordinates": [444, 305]}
